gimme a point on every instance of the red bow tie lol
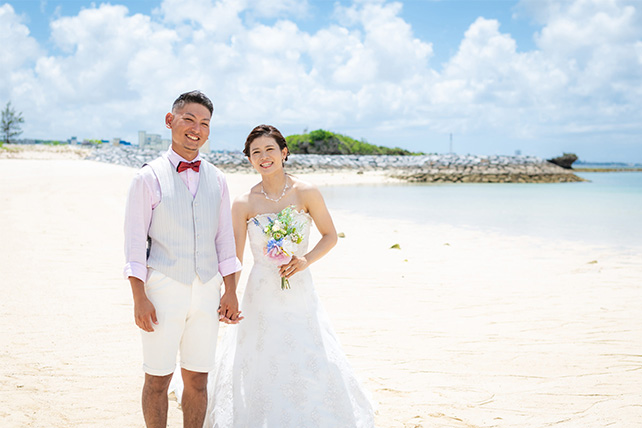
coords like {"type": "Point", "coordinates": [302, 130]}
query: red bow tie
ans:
{"type": "Point", "coordinates": [182, 166]}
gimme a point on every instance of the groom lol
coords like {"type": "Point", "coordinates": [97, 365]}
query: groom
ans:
{"type": "Point", "coordinates": [179, 248]}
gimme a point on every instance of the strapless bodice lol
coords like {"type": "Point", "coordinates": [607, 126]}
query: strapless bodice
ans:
{"type": "Point", "coordinates": [259, 240]}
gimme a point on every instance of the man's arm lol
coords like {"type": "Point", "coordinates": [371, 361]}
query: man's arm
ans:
{"type": "Point", "coordinates": [138, 214]}
{"type": "Point", "coordinates": [229, 264]}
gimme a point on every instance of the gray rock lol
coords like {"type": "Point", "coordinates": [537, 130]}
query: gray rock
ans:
{"type": "Point", "coordinates": [426, 168]}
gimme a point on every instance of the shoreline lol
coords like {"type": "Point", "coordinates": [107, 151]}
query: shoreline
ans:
{"type": "Point", "coordinates": [530, 333]}
{"type": "Point", "coordinates": [633, 169]}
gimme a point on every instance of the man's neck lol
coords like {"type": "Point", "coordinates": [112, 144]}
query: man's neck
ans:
{"type": "Point", "coordinates": [186, 156]}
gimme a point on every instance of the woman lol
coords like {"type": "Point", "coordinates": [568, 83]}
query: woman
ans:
{"type": "Point", "coordinates": [282, 365]}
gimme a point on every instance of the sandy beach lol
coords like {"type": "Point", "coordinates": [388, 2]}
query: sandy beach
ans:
{"type": "Point", "coordinates": [456, 328]}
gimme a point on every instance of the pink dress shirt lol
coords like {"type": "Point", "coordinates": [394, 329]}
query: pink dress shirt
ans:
{"type": "Point", "coordinates": [145, 195]}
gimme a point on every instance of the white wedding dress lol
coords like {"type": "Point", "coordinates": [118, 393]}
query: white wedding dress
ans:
{"type": "Point", "coordinates": [282, 366]}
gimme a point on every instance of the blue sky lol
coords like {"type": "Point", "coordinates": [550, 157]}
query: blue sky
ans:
{"type": "Point", "coordinates": [539, 76]}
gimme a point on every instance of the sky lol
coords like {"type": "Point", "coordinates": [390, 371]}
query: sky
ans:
{"type": "Point", "coordinates": [541, 77]}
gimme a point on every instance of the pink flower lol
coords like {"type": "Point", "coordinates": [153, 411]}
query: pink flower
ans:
{"type": "Point", "coordinates": [277, 254]}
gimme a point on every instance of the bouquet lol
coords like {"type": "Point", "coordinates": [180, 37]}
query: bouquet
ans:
{"type": "Point", "coordinates": [282, 235]}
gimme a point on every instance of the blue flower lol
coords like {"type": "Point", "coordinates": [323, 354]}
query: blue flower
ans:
{"type": "Point", "coordinates": [274, 243]}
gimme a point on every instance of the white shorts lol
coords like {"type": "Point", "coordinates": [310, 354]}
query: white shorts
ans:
{"type": "Point", "coordinates": [187, 320]}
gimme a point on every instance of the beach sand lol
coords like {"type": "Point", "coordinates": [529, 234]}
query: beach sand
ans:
{"type": "Point", "coordinates": [457, 328]}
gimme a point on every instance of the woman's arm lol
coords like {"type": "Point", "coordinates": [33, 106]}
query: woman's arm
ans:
{"type": "Point", "coordinates": [313, 202]}
{"type": "Point", "coordinates": [239, 223]}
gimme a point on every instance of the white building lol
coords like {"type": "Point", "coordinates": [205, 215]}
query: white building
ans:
{"type": "Point", "coordinates": [152, 141]}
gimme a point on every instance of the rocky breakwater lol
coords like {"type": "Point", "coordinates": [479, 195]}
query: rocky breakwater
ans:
{"type": "Point", "coordinates": [484, 169]}
{"type": "Point", "coordinates": [421, 169]}
{"type": "Point", "coordinates": [442, 168]}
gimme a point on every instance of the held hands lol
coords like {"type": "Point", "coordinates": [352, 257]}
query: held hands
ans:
{"type": "Point", "coordinates": [228, 311]}
{"type": "Point", "coordinates": [296, 264]}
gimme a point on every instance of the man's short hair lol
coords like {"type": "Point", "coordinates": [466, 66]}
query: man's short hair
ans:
{"type": "Point", "coordinates": [196, 97]}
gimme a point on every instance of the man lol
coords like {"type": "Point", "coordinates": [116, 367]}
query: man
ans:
{"type": "Point", "coordinates": [179, 247]}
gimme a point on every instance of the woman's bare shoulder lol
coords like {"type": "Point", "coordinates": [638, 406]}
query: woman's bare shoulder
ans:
{"type": "Point", "coordinates": [241, 203]}
{"type": "Point", "coordinates": [246, 197]}
{"type": "Point", "coordinates": [303, 185]}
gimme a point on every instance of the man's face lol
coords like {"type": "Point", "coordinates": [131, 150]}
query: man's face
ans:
{"type": "Point", "coordinates": [190, 127]}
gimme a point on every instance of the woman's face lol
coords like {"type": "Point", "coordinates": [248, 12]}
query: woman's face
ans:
{"type": "Point", "coordinates": [265, 155]}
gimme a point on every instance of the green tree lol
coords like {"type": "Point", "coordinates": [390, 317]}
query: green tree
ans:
{"type": "Point", "coordinates": [11, 121]}
{"type": "Point", "coordinates": [325, 142]}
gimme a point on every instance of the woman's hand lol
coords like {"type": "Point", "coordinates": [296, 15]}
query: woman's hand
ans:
{"type": "Point", "coordinates": [296, 264]}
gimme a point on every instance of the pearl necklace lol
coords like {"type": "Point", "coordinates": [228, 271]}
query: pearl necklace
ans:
{"type": "Point", "coordinates": [285, 188]}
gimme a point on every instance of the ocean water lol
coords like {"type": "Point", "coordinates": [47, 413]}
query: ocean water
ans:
{"type": "Point", "coordinates": [607, 210]}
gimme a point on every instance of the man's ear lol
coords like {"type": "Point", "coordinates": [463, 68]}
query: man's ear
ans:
{"type": "Point", "coordinates": [168, 120]}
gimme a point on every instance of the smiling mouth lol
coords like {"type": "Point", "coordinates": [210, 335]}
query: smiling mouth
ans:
{"type": "Point", "coordinates": [192, 137]}
{"type": "Point", "coordinates": [266, 164]}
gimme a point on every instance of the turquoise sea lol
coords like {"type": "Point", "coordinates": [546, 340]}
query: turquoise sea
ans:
{"type": "Point", "coordinates": [607, 210]}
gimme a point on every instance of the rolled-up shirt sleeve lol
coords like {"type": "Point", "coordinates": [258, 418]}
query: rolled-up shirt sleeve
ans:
{"type": "Point", "coordinates": [138, 216]}
{"type": "Point", "coordinates": [228, 263]}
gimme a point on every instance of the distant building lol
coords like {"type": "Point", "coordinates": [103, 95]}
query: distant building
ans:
{"type": "Point", "coordinates": [73, 140]}
{"type": "Point", "coordinates": [152, 141]}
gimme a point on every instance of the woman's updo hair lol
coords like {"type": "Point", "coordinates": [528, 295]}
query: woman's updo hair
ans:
{"type": "Point", "coordinates": [266, 131]}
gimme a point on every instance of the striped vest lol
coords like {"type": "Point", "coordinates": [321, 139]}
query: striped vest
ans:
{"type": "Point", "coordinates": [183, 228]}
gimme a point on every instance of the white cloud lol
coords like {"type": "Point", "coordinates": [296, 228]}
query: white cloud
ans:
{"type": "Point", "coordinates": [388, 51]}
{"type": "Point", "coordinates": [584, 77]}
{"type": "Point", "coordinates": [489, 85]}
{"type": "Point", "coordinates": [115, 73]}
{"type": "Point", "coordinates": [279, 8]}
{"type": "Point", "coordinates": [218, 19]}
{"type": "Point", "coordinates": [18, 48]}
{"type": "Point", "coordinates": [596, 45]}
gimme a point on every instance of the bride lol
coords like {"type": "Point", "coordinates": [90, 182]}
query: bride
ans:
{"type": "Point", "coordinates": [282, 365]}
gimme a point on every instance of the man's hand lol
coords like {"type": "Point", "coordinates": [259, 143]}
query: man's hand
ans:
{"type": "Point", "coordinates": [145, 314]}
{"type": "Point", "coordinates": [144, 311]}
{"type": "Point", "coordinates": [228, 311]}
